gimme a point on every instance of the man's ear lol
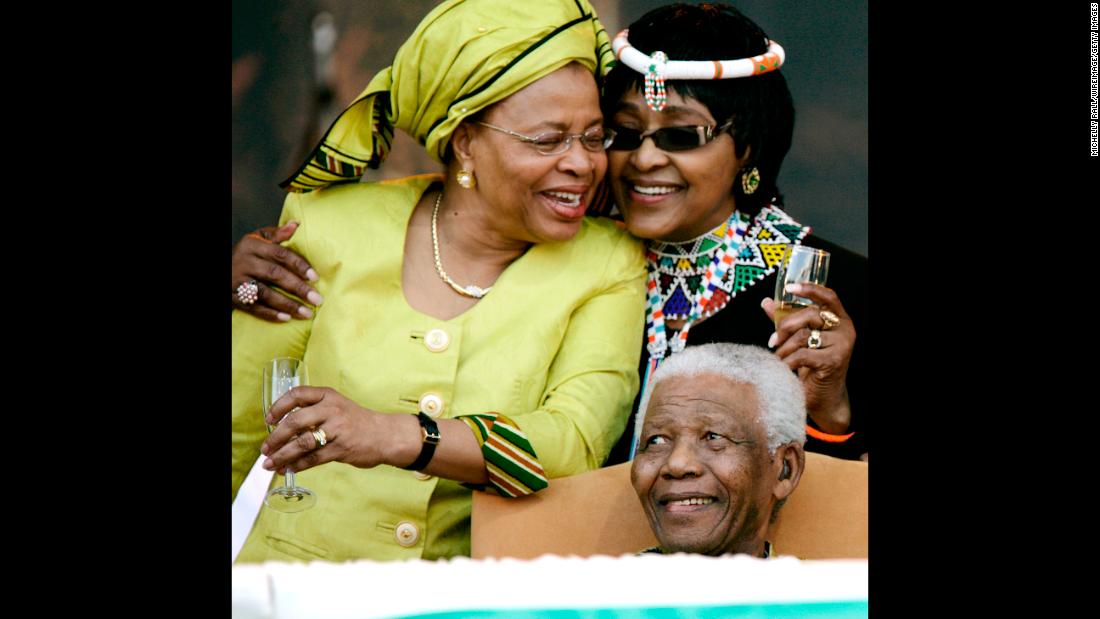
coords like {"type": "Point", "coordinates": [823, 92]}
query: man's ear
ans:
{"type": "Point", "coordinates": [790, 461]}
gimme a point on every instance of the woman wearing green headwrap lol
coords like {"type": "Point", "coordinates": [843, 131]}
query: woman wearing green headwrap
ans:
{"type": "Point", "coordinates": [481, 307]}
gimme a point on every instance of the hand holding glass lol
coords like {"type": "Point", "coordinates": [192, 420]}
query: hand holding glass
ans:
{"type": "Point", "coordinates": [800, 265]}
{"type": "Point", "coordinates": [280, 376]}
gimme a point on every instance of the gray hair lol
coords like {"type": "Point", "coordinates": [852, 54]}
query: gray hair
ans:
{"type": "Point", "coordinates": [782, 403]}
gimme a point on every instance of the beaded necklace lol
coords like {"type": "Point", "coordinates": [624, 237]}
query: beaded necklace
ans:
{"type": "Point", "coordinates": [680, 267]}
{"type": "Point", "coordinates": [714, 252]}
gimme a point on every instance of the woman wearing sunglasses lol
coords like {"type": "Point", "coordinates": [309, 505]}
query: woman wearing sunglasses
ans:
{"type": "Point", "coordinates": [702, 120]}
{"type": "Point", "coordinates": [693, 168]}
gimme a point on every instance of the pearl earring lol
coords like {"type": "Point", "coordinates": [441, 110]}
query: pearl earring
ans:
{"type": "Point", "coordinates": [466, 178]}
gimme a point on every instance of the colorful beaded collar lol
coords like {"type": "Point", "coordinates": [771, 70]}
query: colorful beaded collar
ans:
{"type": "Point", "coordinates": [697, 278]}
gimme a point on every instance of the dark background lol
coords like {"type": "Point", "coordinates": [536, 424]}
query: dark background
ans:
{"type": "Point", "coordinates": [278, 112]}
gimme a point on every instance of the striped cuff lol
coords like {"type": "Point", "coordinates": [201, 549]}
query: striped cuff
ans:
{"type": "Point", "coordinates": [511, 462]}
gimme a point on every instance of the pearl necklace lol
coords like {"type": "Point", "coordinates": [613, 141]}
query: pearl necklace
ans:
{"type": "Point", "coordinates": [469, 291]}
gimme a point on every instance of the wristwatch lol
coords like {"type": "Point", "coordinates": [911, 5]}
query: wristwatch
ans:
{"type": "Point", "coordinates": [427, 448]}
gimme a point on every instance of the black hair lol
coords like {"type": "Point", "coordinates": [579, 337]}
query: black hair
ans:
{"type": "Point", "coordinates": [760, 106]}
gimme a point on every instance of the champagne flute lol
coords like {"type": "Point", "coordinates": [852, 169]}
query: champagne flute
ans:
{"type": "Point", "coordinates": [800, 265]}
{"type": "Point", "coordinates": [281, 375]}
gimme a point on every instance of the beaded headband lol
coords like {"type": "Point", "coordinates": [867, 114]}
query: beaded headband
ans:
{"type": "Point", "coordinates": [657, 68]}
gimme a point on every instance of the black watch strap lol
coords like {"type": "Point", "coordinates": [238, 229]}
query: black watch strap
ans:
{"type": "Point", "coordinates": [427, 448]}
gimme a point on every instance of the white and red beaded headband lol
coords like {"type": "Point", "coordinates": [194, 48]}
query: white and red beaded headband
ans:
{"type": "Point", "coordinates": [657, 68]}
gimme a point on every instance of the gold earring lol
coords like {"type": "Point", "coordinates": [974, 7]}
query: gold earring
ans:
{"type": "Point", "coordinates": [466, 178]}
{"type": "Point", "coordinates": [750, 181]}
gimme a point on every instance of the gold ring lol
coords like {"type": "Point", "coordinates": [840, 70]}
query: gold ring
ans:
{"type": "Point", "coordinates": [814, 341]}
{"type": "Point", "coordinates": [319, 434]}
{"type": "Point", "coordinates": [830, 319]}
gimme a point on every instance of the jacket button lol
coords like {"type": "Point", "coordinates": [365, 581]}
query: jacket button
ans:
{"type": "Point", "coordinates": [406, 533]}
{"type": "Point", "coordinates": [437, 340]}
{"type": "Point", "coordinates": [432, 404]}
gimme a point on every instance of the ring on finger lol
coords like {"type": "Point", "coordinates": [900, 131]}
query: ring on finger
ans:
{"type": "Point", "coordinates": [322, 440]}
{"type": "Point", "coordinates": [830, 319]}
{"type": "Point", "coordinates": [248, 292]}
{"type": "Point", "coordinates": [814, 341]}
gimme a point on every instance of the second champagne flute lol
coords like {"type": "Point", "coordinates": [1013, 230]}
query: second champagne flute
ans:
{"type": "Point", "coordinates": [800, 265]}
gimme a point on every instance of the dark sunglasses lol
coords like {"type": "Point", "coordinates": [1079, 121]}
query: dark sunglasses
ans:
{"type": "Point", "coordinates": [671, 139]}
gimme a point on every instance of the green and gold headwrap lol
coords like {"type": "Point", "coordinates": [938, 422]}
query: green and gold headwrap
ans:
{"type": "Point", "coordinates": [464, 56]}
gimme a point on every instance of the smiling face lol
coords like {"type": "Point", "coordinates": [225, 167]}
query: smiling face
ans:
{"type": "Point", "coordinates": [534, 197]}
{"type": "Point", "coordinates": [672, 196]}
{"type": "Point", "coordinates": [703, 472]}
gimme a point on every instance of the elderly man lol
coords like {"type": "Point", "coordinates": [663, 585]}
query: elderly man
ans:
{"type": "Point", "coordinates": [720, 449]}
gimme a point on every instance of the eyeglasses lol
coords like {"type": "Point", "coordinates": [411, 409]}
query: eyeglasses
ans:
{"type": "Point", "coordinates": [671, 139]}
{"type": "Point", "coordinates": [557, 142]}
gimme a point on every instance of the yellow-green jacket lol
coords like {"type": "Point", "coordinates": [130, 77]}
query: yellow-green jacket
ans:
{"type": "Point", "coordinates": [554, 347]}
